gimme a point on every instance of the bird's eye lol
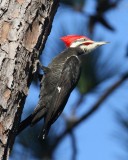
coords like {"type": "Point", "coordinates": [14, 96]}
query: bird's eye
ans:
{"type": "Point", "coordinates": [81, 40]}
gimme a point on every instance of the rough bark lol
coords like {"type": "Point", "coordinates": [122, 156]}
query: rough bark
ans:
{"type": "Point", "coordinates": [23, 26]}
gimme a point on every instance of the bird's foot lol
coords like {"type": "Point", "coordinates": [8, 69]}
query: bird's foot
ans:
{"type": "Point", "coordinates": [35, 65]}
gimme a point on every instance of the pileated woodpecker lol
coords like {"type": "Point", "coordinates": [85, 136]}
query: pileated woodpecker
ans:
{"type": "Point", "coordinates": [59, 79]}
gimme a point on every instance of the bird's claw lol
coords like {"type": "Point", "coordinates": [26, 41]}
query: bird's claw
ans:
{"type": "Point", "coordinates": [35, 66]}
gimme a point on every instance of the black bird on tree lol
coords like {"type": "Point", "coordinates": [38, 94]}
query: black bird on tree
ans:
{"type": "Point", "coordinates": [59, 79]}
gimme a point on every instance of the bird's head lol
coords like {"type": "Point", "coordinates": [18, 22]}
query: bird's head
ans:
{"type": "Point", "coordinates": [82, 42]}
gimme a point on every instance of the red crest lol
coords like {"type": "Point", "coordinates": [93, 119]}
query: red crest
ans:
{"type": "Point", "coordinates": [71, 38]}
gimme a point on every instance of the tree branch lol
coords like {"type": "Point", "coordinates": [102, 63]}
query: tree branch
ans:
{"type": "Point", "coordinates": [74, 146]}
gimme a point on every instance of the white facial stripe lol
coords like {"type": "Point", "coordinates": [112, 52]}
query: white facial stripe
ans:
{"type": "Point", "coordinates": [77, 43]}
{"type": "Point", "coordinates": [88, 41]}
{"type": "Point", "coordinates": [88, 48]}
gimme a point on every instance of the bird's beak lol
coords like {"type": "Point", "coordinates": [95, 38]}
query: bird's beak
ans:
{"type": "Point", "coordinates": [93, 42]}
{"type": "Point", "coordinates": [91, 45]}
{"type": "Point", "coordinates": [101, 43]}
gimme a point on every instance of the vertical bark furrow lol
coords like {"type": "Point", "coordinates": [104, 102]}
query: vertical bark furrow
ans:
{"type": "Point", "coordinates": [24, 24]}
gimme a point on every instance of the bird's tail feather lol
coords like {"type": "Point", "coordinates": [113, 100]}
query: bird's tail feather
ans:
{"type": "Point", "coordinates": [44, 133]}
{"type": "Point", "coordinates": [25, 123]}
{"type": "Point", "coordinates": [31, 120]}
{"type": "Point", "coordinates": [37, 117]}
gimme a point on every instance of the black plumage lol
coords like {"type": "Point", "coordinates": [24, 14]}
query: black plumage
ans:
{"type": "Point", "coordinates": [59, 79]}
{"type": "Point", "coordinates": [64, 75]}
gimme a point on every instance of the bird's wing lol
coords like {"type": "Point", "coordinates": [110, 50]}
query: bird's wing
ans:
{"type": "Point", "coordinates": [68, 80]}
{"type": "Point", "coordinates": [41, 107]}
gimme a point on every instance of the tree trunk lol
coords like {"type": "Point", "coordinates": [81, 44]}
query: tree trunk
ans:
{"type": "Point", "coordinates": [23, 26]}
